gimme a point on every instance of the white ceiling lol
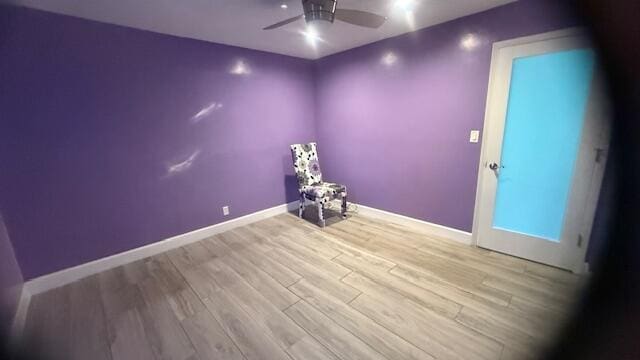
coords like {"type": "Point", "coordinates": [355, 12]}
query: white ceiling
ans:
{"type": "Point", "coordinates": [240, 22]}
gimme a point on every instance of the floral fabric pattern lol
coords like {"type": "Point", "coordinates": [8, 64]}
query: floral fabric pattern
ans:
{"type": "Point", "coordinates": [309, 174]}
{"type": "Point", "coordinates": [306, 165]}
{"type": "Point", "coordinates": [314, 168]}
{"type": "Point", "coordinates": [325, 191]}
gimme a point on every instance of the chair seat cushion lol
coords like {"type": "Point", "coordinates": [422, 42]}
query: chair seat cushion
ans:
{"type": "Point", "coordinates": [324, 191]}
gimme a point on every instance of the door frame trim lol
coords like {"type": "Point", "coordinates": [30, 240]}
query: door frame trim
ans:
{"type": "Point", "coordinates": [487, 125]}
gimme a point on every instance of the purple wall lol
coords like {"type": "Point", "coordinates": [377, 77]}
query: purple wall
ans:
{"type": "Point", "coordinates": [10, 281]}
{"type": "Point", "coordinates": [94, 115]}
{"type": "Point", "coordinates": [398, 135]}
{"type": "Point", "coordinates": [107, 153]}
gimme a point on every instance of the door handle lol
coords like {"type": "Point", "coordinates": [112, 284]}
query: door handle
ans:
{"type": "Point", "coordinates": [495, 167]}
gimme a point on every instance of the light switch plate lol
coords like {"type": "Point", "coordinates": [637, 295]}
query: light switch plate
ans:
{"type": "Point", "coordinates": [225, 210]}
{"type": "Point", "coordinates": [474, 137]}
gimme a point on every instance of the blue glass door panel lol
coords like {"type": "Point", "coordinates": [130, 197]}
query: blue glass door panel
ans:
{"type": "Point", "coordinates": [547, 104]}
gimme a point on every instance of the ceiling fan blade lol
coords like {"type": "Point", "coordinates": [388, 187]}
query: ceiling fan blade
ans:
{"type": "Point", "coordinates": [284, 22]}
{"type": "Point", "coordinates": [360, 18]}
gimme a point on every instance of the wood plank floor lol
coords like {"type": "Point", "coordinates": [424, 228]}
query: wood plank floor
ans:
{"type": "Point", "coordinates": [283, 288]}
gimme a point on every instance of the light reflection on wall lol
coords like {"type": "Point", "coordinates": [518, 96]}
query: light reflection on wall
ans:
{"type": "Point", "coordinates": [469, 42]}
{"type": "Point", "coordinates": [240, 68]}
{"type": "Point", "coordinates": [389, 58]}
{"type": "Point", "coordinates": [174, 168]}
{"type": "Point", "coordinates": [205, 112]}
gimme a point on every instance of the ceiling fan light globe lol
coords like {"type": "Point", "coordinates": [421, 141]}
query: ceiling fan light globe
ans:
{"type": "Point", "coordinates": [323, 10]}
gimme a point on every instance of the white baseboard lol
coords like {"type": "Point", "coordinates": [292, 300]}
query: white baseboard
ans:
{"type": "Point", "coordinates": [20, 317]}
{"type": "Point", "coordinates": [67, 276]}
{"type": "Point", "coordinates": [420, 225]}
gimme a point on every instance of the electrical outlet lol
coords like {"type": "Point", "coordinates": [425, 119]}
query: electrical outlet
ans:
{"type": "Point", "coordinates": [474, 136]}
{"type": "Point", "coordinates": [225, 210]}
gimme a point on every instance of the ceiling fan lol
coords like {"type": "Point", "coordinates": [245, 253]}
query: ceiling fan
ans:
{"type": "Point", "coordinates": [326, 10]}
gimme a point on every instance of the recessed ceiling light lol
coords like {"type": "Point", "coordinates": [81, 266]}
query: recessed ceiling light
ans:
{"type": "Point", "coordinates": [406, 5]}
{"type": "Point", "coordinates": [284, 6]}
{"type": "Point", "coordinates": [311, 35]}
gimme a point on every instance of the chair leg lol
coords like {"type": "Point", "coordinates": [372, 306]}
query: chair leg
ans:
{"type": "Point", "coordinates": [344, 206]}
{"type": "Point", "coordinates": [301, 208]}
{"type": "Point", "coordinates": [321, 221]}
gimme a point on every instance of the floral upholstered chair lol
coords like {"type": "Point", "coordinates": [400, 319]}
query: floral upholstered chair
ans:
{"type": "Point", "coordinates": [310, 184]}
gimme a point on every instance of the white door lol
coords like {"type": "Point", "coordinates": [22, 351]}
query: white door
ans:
{"type": "Point", "coordinates": [543, 150]}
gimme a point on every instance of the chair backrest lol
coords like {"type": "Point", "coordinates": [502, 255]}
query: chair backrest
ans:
{"type": "Point", "coordinates": [305, 164]}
